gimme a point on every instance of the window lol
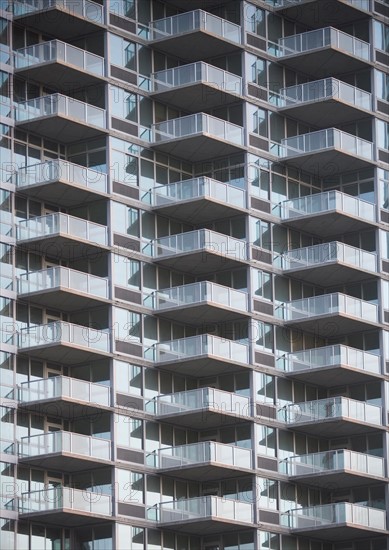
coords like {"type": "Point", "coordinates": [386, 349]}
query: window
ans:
{"type": "Point", "coordinates": [123, 104]}
{"type": "Point", "coordinates": [262, 284]}
{"type": "Point", "coordinates": [260, 233]}
{"type": "Point", "coordinates": [266, 438]}
{"type": "Point", "coordinates": [264, 387]}
{"type": "Point", "coordinates": [127, 325]}
{"type": "Point", "coordinates": [129, 486]}
{"type": "Point", "coordinates": [129, 432]}
{"type": "Point", "coordinates": [263, 334]}
{"type": "Point", "coordinates": [381, 36]}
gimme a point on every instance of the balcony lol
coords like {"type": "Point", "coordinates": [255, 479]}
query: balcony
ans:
{"type": "Point", "coordinates": [59, 65]}
{"type": "Point", "coordinates": [198, 137]}
{"type": "Point", "coordinates": [326, 102]}
{"type": "Point", "coordinates": [324, 52]}
{"type": "Point", "coordinates": [199, 252]}
{"type": "Point", "coordinates": [65, 18]}
{"type": "Point", "coordinates": [204, 408]}
{"type": "Point", "coordinates": [198, 200]}
{"type": "Point", "coordinates": [331, 315]}
{"type": "Point", "coordinates": [204, 461]}
{"type": "Point", "coordinates": [314, 13]}
{"type": "Point", "coordinates": [196, 86]}
{"type": "Point", "coordinates": [334, 415]}
{"type": "Point", "coordinates": [199, 303]}
{"type": "Point", "coordinates": [64, 451]}
{"type": "Point", "coordinates": [194, 35]}
{"type": "Point", "coordinates": [208, 514]}
{"type": "Point", "coordinates": [336, 522]}
{"type": "Point", "coordinates": [339, 468]}
{"type": "Point", "coordinates": [202, 355]}
{"type": "Point", "coordinates": [328, 214]}
{"type": "Point", "coordinates": [64, 397]}
{"type": "Point", "coordinates": [60, 118]}
{"type": "Point", "coordinates": [327, 152]}
{"type": "Point", "coordinates": [61, 182]}
{"type": "Point", "coordinates": [64, 342]}
{"type": "Point", "coordinates": [62, 236]}
{"type": "Point", "coordinates": [65, 506]}
{"type": "Point", "coordinates": [331, 366]}
{"type": "Point", "coordinates": [330, 264]}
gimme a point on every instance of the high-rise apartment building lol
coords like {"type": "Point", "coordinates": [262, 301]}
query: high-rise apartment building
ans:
{"type": "Point", "coordinates": [195, 274]}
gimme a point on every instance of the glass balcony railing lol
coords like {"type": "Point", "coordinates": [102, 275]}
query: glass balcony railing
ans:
{"type": "Point", "coordinates": [198, 188]}
{"type": "Point", "coordinates": [195, 73]}
{"type": "Point", "coordinates": [201, 453]}
{"type": "Point", "coordinates": [56, 50]}
{"type": "Point", "coordinates": [334, 514]}
{"type": "Point", "coordinates": [201, 398]}
{"type": "Point", "coordinates": [197, 20]}
{"type": "Point", "coordinates": [332, 407]}
{"type": "Point", "coordinates": [359, 4]}
{"type": "Point", "coordinates": [196, 293]}
{"type": "Point", "coordinates": [81, 8]}
{"type": "Point", "coordinates": [332, 461]}
{"type": "Point", "coordinates": [200, 508]}
{"type": "Point", "coordinates": [60, 170]}
{"type": "Point", "coordinates": [55, 277]}
{"type": "Point", "coordinates": [60, 105]}
{"type": "Point", "coordinates": [317, 358]}
{"type": "Point", "coordinates": [65, 498]}
{"type": "Point", "coordinates": [64, 387]}
{"type": "Point", "coordinates": [322, 38]}
{"type": "Point", "coordinates": [320, 254]}
{"type": "Point", "coordinates": [63, 332]}
{"type": "Point", "coordinates": [65, 442]}
{"type": "Point", "coordinates": [322, 140]}
{"type": "Point", "coordinates": [325, 202]}
{"type": "Point", "coordinates": [199, 123]}
{"type": "Point", "coordinates": [327, 304]}
{"type": "Point", "coordinates": [76, 228]}
{"type": "Point", "coordinates": [197, 346]}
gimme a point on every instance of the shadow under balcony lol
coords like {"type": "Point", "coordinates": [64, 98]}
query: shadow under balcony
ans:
{"type": "Point", "coordinates": [328, 214]}
{"type": "Point", "coordinates": [64, 451]}
{"type": "Point", "coordinates": [61, 118]}
{"type": "Point", "coordinates": [202, 355]}
{"type": "Point", "coordinates": [197, 137]}
{"type": "Point", "coordinates": [203, 407]}
{"type": "Point", "coordinates": [204, 461]}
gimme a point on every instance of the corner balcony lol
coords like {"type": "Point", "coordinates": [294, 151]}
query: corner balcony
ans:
{"type": "Point", "coordinates": [63, 288]}
{"type": "Point", "coordinates": [331, 315]}
{"type": "Point", "coordinates": [202, 355]}
{"type": "Point", "coordinates": [61, 118]}
{"type": "Point", "coordinates": [65, 506]}
{"type": "Point", "coordinates": [336, 522]}
{"type": "Point", "coordinates": [331, 366]}
{"type": "Point", "coordinates": [325, 102]}
{"type": "Point", "coordinates": [328, 214]}
{"type": "Point", "coordinates": [64, 451]}
{"type": "Point", "coordinates": [62, 236]}
{"type": "Point", "coordinates": [208, 514]}
{"type": "Point", "coordinates": [64, 342]}
{"type": "Point", "coordinates": [199, 303]}
{"type": "Point", "coordinates": [198, 137]}
{"type": "Point", "coordinates": [59, 65]}
{"type": "Point", "coordinates": [204, 461]}
{"type": "Point", "coordinates": [198, 200]}
{"type": "Point", "coordinates": [334, 415]}
{"type": "Point", "coordinates": [204, 408]}
{"type": "Point", "coordinates": [196, 86]}
{"type": "Point", "coordinates": [339, 468]}
{"type": "Point", "coordinates": [327, 152]}
{"type": "Point", "coordinates": [324, 52]}
{"type": "Point", "coordinates": [199, 252]}
{"type": "Point", "coordinates": [194, 34]}
{"type": "Point", "coordinates": [330, 264]}
{"type": "Point", "coordinates": [65, 18]}
{"type": "Point", "coordinates": [65, 397]}
{"type": "Point", "coordinates": [61, 182]}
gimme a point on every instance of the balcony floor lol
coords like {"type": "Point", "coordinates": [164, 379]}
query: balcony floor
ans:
{"type": "Point", "coordinates": [64, 299]}
{"type": "Point", "coordinates": [332, 324]}
{"type": "Point", "coordinates": [330, 274]}
{"type": "Point", "coordinates": [327, 427]}
{"type": "Point", "coordinates": [61, 128]}
{"type": "Point", "coordinates": [341, 479]}
{"type": "Point", "coordinates": [318, 14]}
{"type": "Point", "coordinates": [339, 532]}
{"type": "Point", "coordinates": [200, 313]}
{"type": "Point", "coordinates": [64, 462]}
{"type": "Point", "coordinates": [333, 375]}
{"type": "Point", "coordinates": [202, 365]}
{"type": "Point", "coordinates": [323, 113]}
{"type": "Point", "coordinates": [206, 526]}
{"type": "Point", "coordinates": [66, 517]}
{"type": "Point", "coordinates": [200, 262]}
{"type": "Point", "coordinates": [203, 419]}
{"type": "Point", "coordinates": [61, 192]}
{"type": "Point", "coordinates": [328, 224]}
{"type": "Point", "coordinates": [63, 245]}
{"type": "Point", "coordinates": [65, 407]}
{"type": "Point", "coordinates": [196, 97]}
{"type": "Point", "coordinates": [327, 162]}
{"type": "Point", "coordinates": [207, 471]}
{"type": "Point", "coordinates": [198, 210]}
{"type": "Point", "coordinates": [64, 352]}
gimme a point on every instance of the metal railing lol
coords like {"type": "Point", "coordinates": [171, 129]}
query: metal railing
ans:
{"type": "Point", "coordinates": [65, 498]}
{"type": "Point", "coordinates": [60, 105]}
{"type": "Point", "coordinates": [65, 442]}
{"type": "Point", "coordinates": [64, 386]}
{"type": "Point", "coordinates": [56, 50]}
{"type": "Point", "coordinates": [197, 20]}
{"type": "Point", "coordinates": [197, 123]}
{"type": "Point", "coordinates": [76, 228]}
{"type": "Point", "coordinates": [83, 8]}
{"type": "Point", "coordinates": [197, 346]}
